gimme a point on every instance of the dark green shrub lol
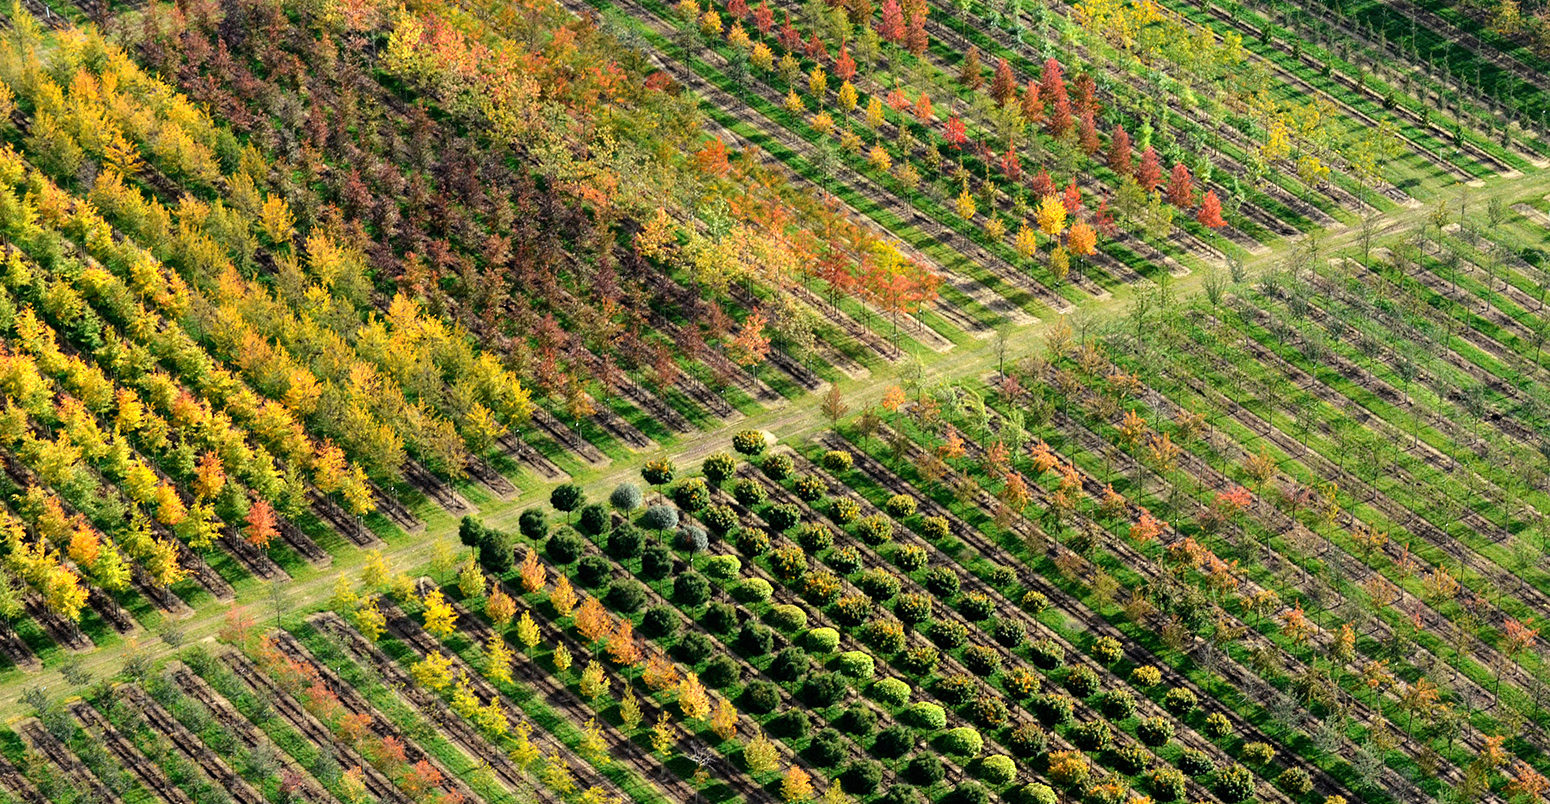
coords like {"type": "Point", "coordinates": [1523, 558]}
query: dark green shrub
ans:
{"type": "Point", "coordinates": [624, 543]}
{"type": "Point", "coordinates": [567, 497]}
{"type": "Point", "coordinates": [721, 672]}
{"type": "Point", "coordinates": [656, 562]}
{"type": "Point", "coordinates": [1155, 731]}
{"type": "Point", "coordinates": [1082, 681]}
{"type": "Point", "coordinates": [564, 547]}
{"type": "Point", "coordinates": [659, 622]}
{"type": "Point", "coordinates": [594, 571]}
{"type": "Point", "coordinates": [626, 596]}
{"type": "Point", "coordinates": [1167, 784]}
{"type": "Point", "coordinates": [695, 648]}
{"type": "Point", "coordinates": [533, 524]}
{"type": "Point", "coordinates": [862, 776]}
{"type": "Point", "coordinates": [789, 665]}
{"type": "Point", "coordinates": [782, 516]}
{"type": "Point", "coordinates": [1234, 784]}
{"type": "Point", "coordinates": [895, 741]}
{"type": "Point", "coordinates": [1028, 740]}
{"type": "Point", "coordinates": [691, 589]}
{"type": "Point", "coordinates": [924, 770]}
{"type": "Point", "coordinates": [976, 606]}
{"type": "Point", "coordinates": [942, 582]}
{"type": "Point", "coordinates": [761, 697]}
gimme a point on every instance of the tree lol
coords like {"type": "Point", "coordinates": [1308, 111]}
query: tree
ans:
{"type": "Point", "coordinates": [593, 621]}
{"type": "Point", "coordinates": [916, 38]}
{"type": "Point", "coordinates": [594, 682]}
{"type": "Point", "coordinates": [261, 524]}
{"type": "Point", "coordinates": [497, 660]}
{"type": "Point", "coordinates": [567, 497]}
{"type": "Point", "coordinates": [532, 573]}
{"type": "Point", "coordinates": [662, 735]}
{"type": "Point", "coordinates": [1051, 216]}
{"type": "Point", "coordinates": [629, 710]}
{"type": "Point", "coordinates": [891, 25]}
{"type": "Point", "coordinates": [440, 619]}
{"type": "Point", "coordinates": [1149, 174]}
{"type": "Point", "coordinates": [692, 700]}
{"type": "Point", "coordinates": [724, 721]}
{"type": "Point", "coordinates": [622, 647]}
{"type": "Point", "coordinates": [1082, 240]}
{"type": "Point", "coordinates": [1003, 87]}
{"type": "Point", "coordinates": [750, 346]}
{"type": "Point", "coordinates": [370, 621]}
{"type": "Point", "coordinates": [796, 786]}
{"type": "Point", "coordinates": [834, 407]}
{"type": "Point", "coordinates": [562, 597]}
{"type": "Point", "coordinates": [1210, 214]}
{"type": "Point", "coordinates": [527, 631]}
{"type": "Point", "coordinates": [1181, 187]}
{"type": "Point", "coordinates": [1119, 151]}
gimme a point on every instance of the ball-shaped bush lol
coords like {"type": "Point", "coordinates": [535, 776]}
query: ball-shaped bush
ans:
{"type": "Point", "coordinates": [809, 488]}
{"type": "Point", "coordinates": [862, 776]}
{"type": "Point", "coordinates": [594, 519]}
{"type": "Point", "coordinates": [1054, 708]}
{"type": "Point", "coordinates": [924, 770]}
{"type": "Point", "coordinates": [1155, 731]}
{"type": "Point", "coordinates": [755, 639]}
{"type": "Point", "coordinates": [1106, 649]}
{"type": "Point", "coordinates": [896, 741]}
{"type": "Point", "coordinates": [996, 770]}
{"type": "Point", "coordinates": [788, 618]}
{"type": "Point", "coordinates": [1216, 726]}
{"type": "Point", "coordinates": [533, 524]}
{"type": "Point", "coordinates": [721, 519]}
{"type": "Point", "coordinates": [891, 692]}
{"type": "Point", "coordinates": [695, 648]}
{"type": "Point", "coordinates": [1038, 793]}
{"type": "Point", "coordinates": [718, 467]}
{"type": "Point", "coordinates": [824, 689]}
{"type": "Point", "coordinates": [749, 492]}
{"type": "Point", "coordinates": [1034, 602]}
{"type": "Point", "coordinates": [658, 472]}
{"type": "Point", "coordinates": [879, 584]}
{"type": "Point", "coordinates": [845, 560]}
{"type": "Point", "coordinates": [659, 622]}
{"type": "Point", "coordinates": [1092, 735]}
{"type": "Point", "coordinates": [723, 567]}
{"type": "Point", "coordinates": [1234, 784]}
{"type": "Point", "coordinates": [1195, 762]}
{"type": "Point", "coordinates": [1180, 700]}
{"type": "Point", "coordinates": [815, 537]}
{"type": "Point", "coordinates": [1028, 740]}
{"type": "Point", "coordinates": [564, 547]}
{"type": "Point", "coordinates": [976, 606]}
{"type": "Point", "coordinates": [1119, 705]}
{"type": "Point", "coordinates": [761, 697]}
{"type": "Point", "coordinates": [1295, 781]}
{"type": "Point", "coordinates": [749, 442]}
{"type": "Point", "coordinates": [626, 497]}
{"type": "Point", "coordinates": [856, 664]}
{"type": "Point", "coordinates": [911, 558]}
{"type": "Point", "coordinates": [782, 517]}
{"type": "Point", "coordinates": [1047, 653]}
{"type": "Point", "coordinates": [947, 634]}
{"type": "Point", "coordinates": [912, 608]}
{"type": "Point", "coordinates": [942, 582]}
{"type": "Point", "coordinates": [1082, 681]}
{"type": "Point", "coordinates": [753, 590]}
{"type": "Point", "coordinates": [778, 467]}
{"type": "Point", "coordinates": [920, 660]}
{"type": "Point", "coordinates": [1258, 753]}
{"type": "Point", "coordinates": [752, 541]}
{"type": "Point", "coordinates": [823, 640]}
{"type": "Point", "coordinates": [594, 571]}
{"type": "Point", "coordinates": [964, 741]}
{"type": "Point", "coordinates": [844, 510]}
{"type": "Point", "coordinates": [989, 711]}
{"type": "Point", "coordinates": [721, 672]}
{"type": "Point", "coordinates": [691, 589]}
{"type": "Point", "coordinates": [1167, 784]}
{"type": "Point", "coordinates": [982, 660]}
{"type": "Point", "coordinates": [935, 528]}
{"type": "Point", "coordinates": [626, 596]}
{"type": "Point", "coordinates": [1130, 759]}
{"type": "Point", "coordinates": [925, 716]}
{"type": "Point", "coordinates": [719, 618]}
{"type": "Point", "coordinates": [900, 506]}
{"type": "Point", "coordinates": [1021, 682]}
{"type": "Point", "coordinates": [874, 530]}
{"type": "Point", "coordinates": [1145, 676]}
{"type": "Point", "coordinates": [837, 461]}
{"type": "Point", "coordinates": [789, 665]}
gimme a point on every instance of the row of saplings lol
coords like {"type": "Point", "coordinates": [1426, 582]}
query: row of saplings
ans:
{"type": "Point", "coordinates": [625, 541]}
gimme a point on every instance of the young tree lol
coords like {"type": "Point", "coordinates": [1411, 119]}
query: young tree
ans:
{"type": "Point", "coordinates": [1119, 151]}
{"type": "Point", "coordinates": [440, 619]}
{"type": "Point", "coordinates": [1210, 214]}
{"type": "Point", "coordinates": [562, 597]}
{"type": "Point", "coordinates": [692, 700]}
{"type": "Point", "coordinates": [1149, 174]}
{"type": "Point", "coordinates": [1181, 187]}
{"type": "Point", "coordinates": [261, 524]}
{"type": "Point", "coordinates": [497, 660]}
{"type": "Point", "coordinates": [797, 786]}
{"type": "Point", "coordinates": [1003, 87]}
{"type": "Point", "coordinates": [527, 631]}
{"type": "Point", "coordinates": [500, 608]}
{"type": "Point", "coordinates": [724, 721]}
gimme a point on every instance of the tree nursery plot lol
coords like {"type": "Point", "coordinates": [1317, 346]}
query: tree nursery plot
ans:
{"type": "Point", "coordinates": [603, 401]}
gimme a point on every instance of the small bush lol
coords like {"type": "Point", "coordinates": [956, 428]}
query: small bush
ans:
{"type": "Point", "coordinates": [594, 571]}
{"type": "Point", "coordinates": [594, 519]}
{"type": "Point", "coordinates": [823, 640]}
{"type": "Point", "coordinates": [691, 495]}
{"type": "Point", "coordinates": [1119, 705]}
{"type": "Point", "coordinates": [942, 582]}
{"type": "Point", "coordinates": [967, 793]}
{"type": "Point", "coordinates": [567, 497]}
{"type": "Point", "coordinates": [891, 692]}
{"type": "Point", "coordinates": [862, 776]}
{"type": "Point", "coordinates": [823, 689]}
{"type": "Point", "coordinates": [982, 660]}
{"type": "Point", "coordinates": [656, 562]}
{"type": "Point", "coordinates": [837, 461]}
{"type": "Point", "coordinates": [1216, 726]}
{"type": "Point", "coordinates": [1130, 759]}
{"type": "Point", "coordinates": [788, 618]}
{"type": "Point", "coordinates": [752, 542]}
{"type": "Point", "coordinates": [900, 506]}
{"type": "Point", "coordinates": [695, 648]}
{"type": "Point", "coordinates": [1195, 762]}
{"type": "Point", "coordinates": [920, 660]}
{"type": "Point", "coordinates": [1258, 753]}
{"type": "Point", "coordinates": [1035, 602]}
{"type": "Point", "coordinates": [828, 748]}
{"type": "Point", "coordinates": [815, 537]}
{"type": "Point", "coordinates": [719, 618]}
{"type": "Point", "coordinates": [659, 622]}
{"type": "Point", "coordinates": [789, 665]}
{"type": "Point", "coordinates": [1167, 784]}
{"type": "Point", "coordinates": [1054, 708]}
{"type": "Point", "coordinates": [964, 741]}
{"type": "Point", "coordinates": [721, 672]}
{"type": "Point", "coordinates": [1038, 793]}
{"type": "Point", "coordinates": [691, 589]}
{"type": "Point", "coordinates": [859, 719]}
{"type": "Point", "coordinates": [792, 724]}
{"type": "Point", "coordinates": [874, 530]}
{"type": "Point", "coordinates": [925, 716]}
{"type": "Point", "coordinates": [624, 543]}
{"type": "Point", "coordinates": [1022, 683]}
{"type": "Point", "coordinates": [976, 606]}
{"type": "Point", "coordinates": [749, 492]}
{"type": "Point", "coordinates": [911, 558]}
{"type": "Point", "coordinates": [947, 634]}
{"type": "Point", "coordinates": [1001, 577]}
{"type": "Point", "coordinates": [658, 472]}
{"type": "Point", "coordinates": [895, 741]}
{"type": "Point", "coordinates": [996, 770]}
{"type": "Point", "coordinates": [756, 639]}
{"type": "Point", "coordinates": [1008, 632]}
{"type": "Point", "coordinates": [934, 528]}
{"type": "Point", "coordinates": [1047, 653]}
{"type": "Point", "coordinates": [844, 510]}
{"type": "Point", "coordinates": [1082, 681]}
{"type": "Point", "coordinates": [693, 538]}
{"type": "Point", "coordinates": [721, 519]}
{"type": "Point", "coordinates": [912, 608]}
{"type": "Point", "coordinates": [809, 488]}
{"type": "Point", "coordinates": [1235, 783]}
{"type": "Point", "coordinates": [879, 584]}
{"type": "Point", "coordinates": [988, 711]}
{"type": "Point", "coordinates": [1146, 676]}
{"type": "Point", "coordinates": [533, 524]}
{"type": "Point", "coordinates": [749, 442]}
{"type": "Point", "coordinates": [845, 560]}
{"type": "Point", "coordinates": [924, 770]}
{"type": "Point", "coordinates": [1180, 700]}
{"type": "Point", "coordinates": [783, 517]}
{"type": "Point", "coordinates": [659, 518]}
{"type": "Point", "coordinates": [1295, 781]}
{"type": "Point", "coordinates": [1092, 735]}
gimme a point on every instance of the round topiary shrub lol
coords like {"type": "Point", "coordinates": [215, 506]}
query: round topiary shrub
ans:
{"type": "Point", "coordinates": [1008, 632]}
{"type": "Point", "coordinates": [626, 497]}
{"type": "Point", "coordinates": [1034, 602]}
{"type": "Point", "coordinates": [900, 506]}
{"type": "Point", "coordinates": [749, 442]}
{"type": "Point", "coordinates": [996, 770]}
{"type": "Point", "coordinates": [782, 516]}
{"type": "Point", "coordinates": [874, 530]}
{"type": "Point", "coordinates": [594, 571]}
{"type": "Point", "coordinates": [658, 472]}
{"type": "Point", "coordinates": [792, 724]}
{"type": "Point", "coordinates": [1092, 735]}
{"type": "Point", "coordinates": [625, 542]}
{"type": "Point", "coordinates": [567, 497]}
{"type": "Point", "coordinates": [1047, 653]}
{"type": "Point", "coordinates": [564, 547]}
{"type": "Point", "coordinates": [693, 538]}
{"type": "Point", "coordinates": [920, 660]}
{"type": "Point", "coordinates": [844, 510]}
{"type": "Point", "coordinates": [976, 606]}
{"type": "Point", "coordinates": [957, 689]}
{"type": "Point", "coordinates": [754, 590]}
{"type": "Point", "coordinates": [879, 584]}
{"type": "Point", "coordinates": [788, 618]}
{"type": "Point", "coordinates": [809, 488]}
{"type": "Point", "coordinates": [1146, 676]}
{"type": "Point", "coordinates": [1082, 681]}
{"type": "Point", "coordinates": [1167, 784]}
{"type": "Point", "coordinates": [719, 618]}
{"type": "Point", "coordinates": [1038, 793]}
{"type": "Point", "coordinates": [695, 648]}
{"type": "Point", "coordinates": [856, 664]}
{"type": "Point", "coordinates": [1216, 726]}
{"type": "Point", "coordinates": [721, 672]}
{"type": "Point", "coordinates": [895, 741]}
{"type": "Point", "coordinates": [837, 461]}
{"type": "Point", "coordinates": [911, 558]}
{"type": "Point", "coordinates": [594, 519]}
{"type": "Point", "coordinates": [891, 692]}
{"type": "Point", "coordinates": [858, 719]}
{"type": "Point", "coordinates": [1195, 762]}
{"type": "Point", "coordinates": [912, 608]}
{"type": "Point", "coordinates": [626, 596]}
{"type": "Point", "coordinates": [1118, 705]}
{"type": "Point", "coordinates": [862, 777]}
{"type": "Point", "coordinates": [691, 589]}
{"type": "Point", "coordinates": [660, 518]}
{"type": "Point", "coordinates": [718, 467]}
{"type": "Point", "coordinates": [824, 689]}
{"type": "Point", "coordinates": [963, 741]}
{"type": "Point", "coordinates": [721, 519]}
{"type": "Point", "coordinates": [1001, 577]}
{"type": "Point", "coordinates": [1180, 700]}
{"type": "Point", "coordinates": [942, 582]}
{"type": "Point", "coordinates": [948, 634]}
{"type": "Point", "coordinates": [752, 541]}
{"type": "Point", "coordinates": [778, 467]}
{"type": "Point", "coordinates": [886, 635]}
{"type": "Point", "coordinates": [1028, 740]}
{"type": "Point", "coordinates": [853, 610]}
{"type": "Point", "coordinates": [755, 639]}
{"type": "Point", "coordinates": [934, 528]}
{"type": "Point", "coordinates": [823, 640]}
{"type": "Point", "coordinates": [789, 665]}
{"type": "Point", "coordinates": [691, 495]}
{"type": "Point", "coordinates": [659, 622]}
{"type": "Point", "coordinates": [982, 660]}
{"type": "Point", "coordinates": [925, 716]}
{"type": "Point", "coordinates": [1131, 759]}
{"type": "Point", "coordinates": [749, 492]}
{"type": "Point", "coordinates": [1295, 781]}
{"type": "Point", "coordinates": [1235, 783]}
{"type": "Point", "coordinates": [761, 697]}
{"type": "Point", "coordinates": [988, 711]}
{"type": "Point", "coordinates": [1021, 682]}
{"type": "Point", "coordinates": [1257, 753]}
{"type": "Point", "coordinates": [533, 524]}
{"type": "Point", "coordinates": [827, 748]}
{"type": "Point", "coordinates": [924, 770]}
{"type": "Point", "coordinates": [1054, 708]}
{"type": "Point", "coordinates": [1106, 649]}
{"type": "Point", "coordinates": [845, 560]}
{"type": "Point", "coordinates": [723, 567]}
{"type": "Point", "coordinates": [815, 537]}
{"type": "Point", "coordinates": [1155, 731]}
